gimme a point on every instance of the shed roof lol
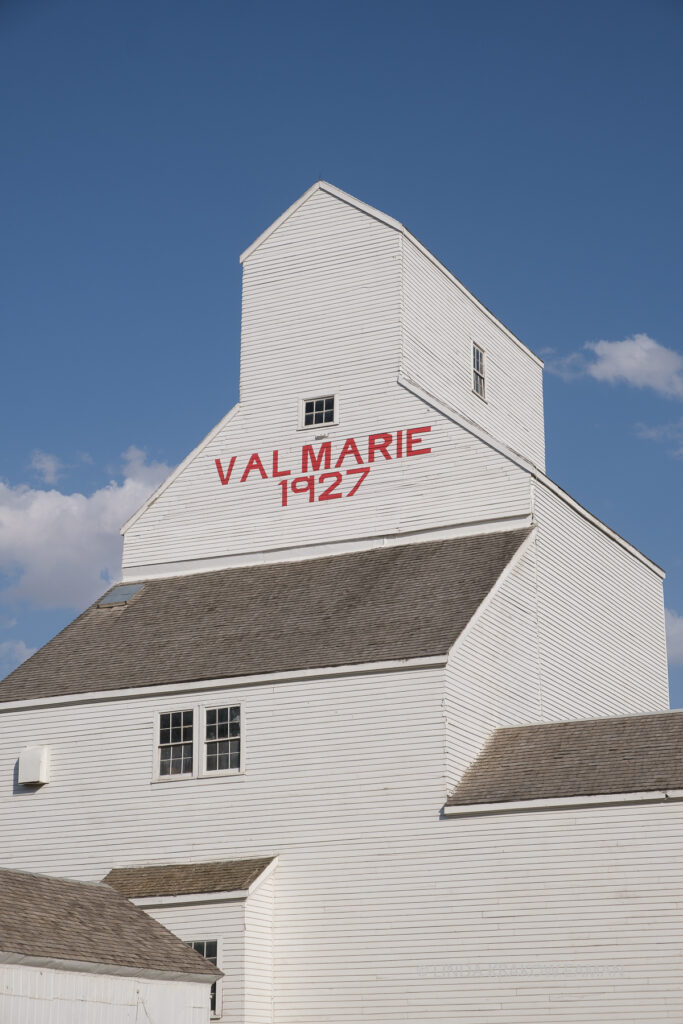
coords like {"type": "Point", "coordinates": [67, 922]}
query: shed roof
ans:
{"type": "Point", "coordinates": [386, 604]}
{"type": "Point", "coordinates": [56, 918]}
{"type": "Point", "coordinates": [591, 757]}
{"type": "Point", "coordinates": [184, 879]}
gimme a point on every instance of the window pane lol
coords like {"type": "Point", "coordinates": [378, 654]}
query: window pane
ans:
{"type": "Point", "coordinates": [235, 714]}
{"type": "Point", "coordinates": [329, 403]}
{"type": "Point", "coordinates": [308, 419]}
{"type": "Point", "coordinates": [211, 717]}
{"type": "Point", "coordinates": [222, 714]}
{"type": "Point", "coordinates": [165, 721]}
{"type": "Point", "coordinates": [176, 718]}
{"type": "Point", "coordinates": [211, 951]}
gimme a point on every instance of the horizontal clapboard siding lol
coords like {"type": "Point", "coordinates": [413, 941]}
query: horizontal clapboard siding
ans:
{"type": "Point", "coordinates": [258, 980]}
{"type": "Point", "coordinates": [322, 314]}
{"type": "Point", "coordinates": [378, 900]}
{"type": "Point", "coordinates": [492, 677]}
{"type": "Point", "coordinates": [440, 325]}
{"type": "Point", "coordinates": [601, 619]}
{"type": "Point", "coordinates": [224, 922]}
{"type": "Point", "coordinates": [33, 995]}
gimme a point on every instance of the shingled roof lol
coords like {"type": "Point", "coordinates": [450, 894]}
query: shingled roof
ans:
{"type": "Point", "coordinates": [183, 879]}
{"type": "Point", "coordinates": [385, 604]}
{"type": "Point", "coordinates": [55, 918]}
{"type": "Point", "coordinates": [636, 754]}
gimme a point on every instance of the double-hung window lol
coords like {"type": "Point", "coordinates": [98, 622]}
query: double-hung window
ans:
{"type": "Point", "coordinates": [222, 739]}
{"type": "Point", "coordinates": [176, 742]}
{"type": "Point", "coordinates": [199, 741]}
{"type": "Point", "coordinates": [478, 372]}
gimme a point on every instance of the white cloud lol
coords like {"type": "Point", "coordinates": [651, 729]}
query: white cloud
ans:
{"type": "Point", "coordinates": [61, 550]}
{"type": "Point", "coordinates": [12, 653]}
{"type": "Point", "coordinates": [48, 467]}
{"type": "Point", "coordinates": [639, 361]}
{"type": "Point", "coordinates": [665, 432]}
{"type": "Point", "coordinates": [674, 637]}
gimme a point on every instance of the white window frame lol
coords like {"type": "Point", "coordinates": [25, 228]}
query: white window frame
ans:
{"type": "Point", "coordinates": [198, 742]}
{"type": "Point", "coordinates": [219, 960]}
{"type": "Point", "coordinates": [157, 744]}
{"type": "Point", "coordinates": [203, 771]}
{"type": "Point", "coordinates": [316, 398]}
{"type": "Point", "coordinates": [475, 373]}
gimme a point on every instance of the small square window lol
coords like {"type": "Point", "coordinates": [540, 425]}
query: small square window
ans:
{"type": "Point", "coordinates": [319, 411]}
{"type": "Point", "coordinates": [478, 372]}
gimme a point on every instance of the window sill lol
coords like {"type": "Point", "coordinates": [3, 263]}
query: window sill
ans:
{"type": "Point", "coordinates": [164, 779]}
{"type": "Point", "coordinates": [480, 397]}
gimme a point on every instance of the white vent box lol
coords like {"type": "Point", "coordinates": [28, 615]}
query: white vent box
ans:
{"type": "Point", "coordinates": [34, 766]}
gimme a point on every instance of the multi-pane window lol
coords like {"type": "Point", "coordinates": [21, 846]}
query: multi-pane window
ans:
{"type": "Point", "coordinates": [208, 948]}
{"type": "Point", "coordinates": [222, 739]}
{"type": "Point", "coordinates": [478, 373]}
{"type": "Point", "coordinates": [318, 410]}
{"type": "Point", "coordinates": [175, 742]}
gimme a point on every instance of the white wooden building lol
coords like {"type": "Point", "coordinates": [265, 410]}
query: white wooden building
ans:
{"type": "Point", "coordinates": [379, 712]}
{"type": "Point", "coordinates": [77, 953]}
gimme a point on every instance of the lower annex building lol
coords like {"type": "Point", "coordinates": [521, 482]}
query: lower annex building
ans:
{"type": "Point", "coordinates": [377, 719]}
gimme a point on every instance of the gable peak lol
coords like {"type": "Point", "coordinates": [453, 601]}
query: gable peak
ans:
{"type": "Point", "coordinates": [331, 190]}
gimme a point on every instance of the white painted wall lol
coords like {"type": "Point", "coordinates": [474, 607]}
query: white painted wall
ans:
{"type": "Point", "coordinates": [375, 893]}
{"type": "Point", "coordinates": [441, 322]}
{"type": "Point", "coordinates": [328, 308]}
{"type": "Point", "coordinates": [36, 995]}
{"type": "Point", "coordinates": [601, 619]}
{"type": "Point", "coordinates": [225, 923]}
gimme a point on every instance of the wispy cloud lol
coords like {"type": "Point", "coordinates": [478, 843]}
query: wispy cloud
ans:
{"type": "Point", "coordinates": [12, 653]}
{"type": "Point", "coordinates": [667, 433]}
{"type": "Point", "coordinates": [674, 637]}
{"type": "Point", "coordinates": [61, 550]}
{"type": "Point", "coordinates": [639, 361]}
{"type": "Point", "coordinates": [48, 467]}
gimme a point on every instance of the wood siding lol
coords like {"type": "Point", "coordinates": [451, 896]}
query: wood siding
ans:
{"type": "Point", "coordinates": [322, 314]}
{"type": "Point", "coordinates": [601, 619]}
{"type": "Point", "coordinates": [440, 325]}
{"type": "Point", "coordinates": [381, 905]}
{"type": "Point", "coordinates": [225, 923]}
{"type": "Point", "coordinates": [34, 995]}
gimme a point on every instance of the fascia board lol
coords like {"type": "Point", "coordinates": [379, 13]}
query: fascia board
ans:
{"type": "Point", "coordinates": [557, 803]}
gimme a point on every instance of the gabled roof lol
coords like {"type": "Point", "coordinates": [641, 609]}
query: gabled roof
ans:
{"type": "Point", "coordinates": [59, 919]}
{"type": "Point", "coordinates": [371, 211]}
{"type": "Point", "coordinates": [185, 879]}
{"type": "Point", "coordinates": [592, 757]}
{"type": "Point", "coordinates": [386, 604]}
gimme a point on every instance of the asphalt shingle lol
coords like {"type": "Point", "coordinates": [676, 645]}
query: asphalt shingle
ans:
{"type": "Point", "coordinates": [389, 603]}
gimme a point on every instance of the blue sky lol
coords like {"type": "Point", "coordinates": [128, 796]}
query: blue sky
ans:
{"type": "Point", "coordinates": [534, 147]}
